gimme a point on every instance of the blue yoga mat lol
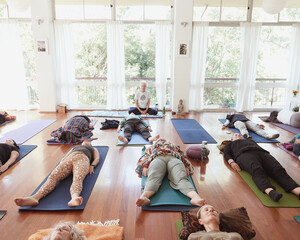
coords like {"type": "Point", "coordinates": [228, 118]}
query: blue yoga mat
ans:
{"type": "Point", "coordinates": [24, 150]}
{"type": "Point", "coordinates": [255, 137]}
{"type": "Point", "coordinates": [190, 131]}
{"type": "Point", "coordinates": [22, 134]}
{"type": "Point", "coordinates": [136, 139]}
{"type": "Point", "coordinates": [58, 199]}
{"type": "Point", "coordinates": [120, 114]}
{"type": "Point", "coordinates": [168, 199]}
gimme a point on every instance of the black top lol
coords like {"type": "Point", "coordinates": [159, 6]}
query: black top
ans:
{"type": "Point", "coordinates": [87, 150]}
{"type": "Point", "coordinates": [5, 151]}
{"type": "Point", "coordinates": [235, 148]}
{"type": "Point", "coordinates": [235, 117]}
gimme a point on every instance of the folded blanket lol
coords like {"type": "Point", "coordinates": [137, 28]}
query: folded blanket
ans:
{"type": "Point", "coordinates": [92, 232]}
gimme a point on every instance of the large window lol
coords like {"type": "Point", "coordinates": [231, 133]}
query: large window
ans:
{"type": "Point", "coordinates": [272, 65]}
{"type": "Point", "coordinates": [222, 66]}
{"type": "Point", "coordinates": [90, 63]}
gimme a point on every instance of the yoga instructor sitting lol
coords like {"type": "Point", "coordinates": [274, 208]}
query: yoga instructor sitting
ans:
{"type": "Point", "coordinates": [80, 161]}
{"type": "Point", "coordinates": [161, 158]}
{"type": "Point", "coordinates": [247, 155]}
{"type": "Point", "coordinates": [9, 152]}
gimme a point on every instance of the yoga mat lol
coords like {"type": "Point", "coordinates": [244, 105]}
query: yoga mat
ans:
{"type": "Point", "coordinates": [190, 131]}
{"type": "Point", "coordinates": [284, 126]}
{"type": "Point", "coordinates": [120, 114]}
{"type": "Point", "coordinates": [255, 137]}
{"type": "Point", "coordinates": [287, 200]}
{"type": "Point", "coordinates": [58, 199]}
{"type": "Point", "coordinates": [22, 134]}
{"type": "Point", "coordinates": [179, 227]}
{"type": "Point", "coordinates": [7, 122]}
{"type": "Point", "coordinates": [24, 150]}
{"type": "Point", "coordinates": [297, 218]}
{"type": "Point", "coordinates": [52, 140]}
{"type": "Point", "coordinates": [136, 139]}
{"type": "Point", "coordinates": [289, 152]}
{"type": "Point", "coordinates": [168, 199]}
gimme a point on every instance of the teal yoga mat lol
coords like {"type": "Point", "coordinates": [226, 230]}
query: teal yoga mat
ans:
{"type": "Point", "coordinates": [297, 218]}
{"type": "Point", "coordinates": [168, 199]}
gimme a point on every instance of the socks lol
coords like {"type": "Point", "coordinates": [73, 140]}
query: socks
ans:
{"type": "Point", "coordinates": [275, 196]}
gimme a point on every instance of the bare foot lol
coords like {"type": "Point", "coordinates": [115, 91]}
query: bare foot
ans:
{"type": "Point", "coordinates": [198, 201]}
{"type": "Point", "coordinates": [142, 201]}
{"type": "Point", "coordinates": [76, 201]}
{"type": "Point", "coordinates": [26, 201]}
{"type": "Point", "coordinates": [122, 139]}
{"type": "Point", "coordinates": [152, 139]}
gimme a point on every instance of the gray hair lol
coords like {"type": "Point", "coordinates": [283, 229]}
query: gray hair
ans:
{"type": "Point", "coordinates": [141, 82]}
{"type": "Point", "coordinates": [76, 233]}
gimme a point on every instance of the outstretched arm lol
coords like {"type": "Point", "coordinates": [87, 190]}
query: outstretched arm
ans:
{"type": "Point", "coordinates": [225, 124]}
{"type": "Point", "coordinates": [95, 161]}
{"type": "Point", "coordinates": [13, 157]}
{"type": "Point", "coordinates": [234, 165]}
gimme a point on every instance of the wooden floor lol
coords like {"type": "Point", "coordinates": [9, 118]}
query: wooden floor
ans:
{"type": "Point", "coordinates": [118, 185]}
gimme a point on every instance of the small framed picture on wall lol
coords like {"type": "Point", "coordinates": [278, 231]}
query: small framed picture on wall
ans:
{"type": "Point", "coordinates": [42, 46]}
{"type": "Point", "coordinates": [183, 49]}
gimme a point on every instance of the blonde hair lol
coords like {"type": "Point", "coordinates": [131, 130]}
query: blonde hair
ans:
{"type": "Point", "coordinates": [76, 233]}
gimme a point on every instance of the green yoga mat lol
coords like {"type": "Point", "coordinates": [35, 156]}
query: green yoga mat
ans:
{"type": "Point", "coordinates": [297, 218]}
{"type": "Point", "coordinates": [287, 200]}
{"type": "Point", "coordinates": [179, 227]}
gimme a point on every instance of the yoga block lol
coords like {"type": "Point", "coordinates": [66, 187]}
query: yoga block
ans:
{"type": "Point", "coordinates": [196, 152]}
{"type": "Point", "coordinates": [62, 108]}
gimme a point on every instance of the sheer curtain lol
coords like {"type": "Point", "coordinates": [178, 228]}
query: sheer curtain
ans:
{"type": "Point", "coordinates": [162, 60]}
{"type": "Point", "coordinates": [293, 79]}
{"type": "Point", "coordinates": [13, 79]}
{"type": "Point", "coordinates": [65, 67]}
{"type": "Point", "coordinates": [115, 66]}
{"type": "Point", "coordinates": [200, 33]}
{"type": "Point", "coordinates": [249, 48]}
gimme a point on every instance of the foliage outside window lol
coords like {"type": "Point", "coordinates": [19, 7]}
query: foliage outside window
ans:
{"type": "Point", "coordinates": [3, 11]}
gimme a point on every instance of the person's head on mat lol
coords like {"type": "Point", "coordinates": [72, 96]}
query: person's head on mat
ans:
{"type": "Point", "coordinates": [65, 231]}
{"type": "Point", "coordinates": [236, 136]}
{"type": "Point", "coordinates": [209, 217]}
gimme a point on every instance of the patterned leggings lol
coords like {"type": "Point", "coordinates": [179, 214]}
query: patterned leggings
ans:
{"type": "Point", "coordinates": [76, 162]}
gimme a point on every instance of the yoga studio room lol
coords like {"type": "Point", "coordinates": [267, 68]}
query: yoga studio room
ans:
{"type": "Point", "coordinates": [150, 119]}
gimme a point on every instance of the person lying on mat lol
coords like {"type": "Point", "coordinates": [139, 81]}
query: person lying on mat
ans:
{"type": "Point", "coordinates": [245, 154]}
{"type": "Point", "coordinates": [209, 217]}
{"type": "Point", "coordinates": [161, 158]}
{"type": "Point", "coordinates": [295, 143]}
{"type": "Point", "coordinates": [66, 231]}
{"type": "Point", "coordinates": [79, 161]}
{"type": "Point", "coordinates": [142, 101]}
{"type": "Point", "coordinates": [4, 116]}
{"type": "Point", "coordinates": [134, 123]}
{"type": "Point", "coordinates": [74, 130]}
{"type": "Point", "coordinates": [285, 116]}
{"type": "Point", "coordinates": [243, 124]}
{"type": "Point", "coordinates": [9, 152]}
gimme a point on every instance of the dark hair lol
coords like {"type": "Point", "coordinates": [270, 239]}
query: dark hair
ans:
{"type": "Point", "coordinates": [15, 144]}
{"type": "Point", "coordinates": [273, 117]}
{"type": "Point", "coordinates": [223, 144]}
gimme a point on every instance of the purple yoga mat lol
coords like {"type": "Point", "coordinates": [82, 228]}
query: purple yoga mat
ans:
{"type": "Point", "coordinates": [285, 126]}
{"type": "Point", "coordinates": [22, 134]}
{"type": "Point", "coordinates": [289, 152]}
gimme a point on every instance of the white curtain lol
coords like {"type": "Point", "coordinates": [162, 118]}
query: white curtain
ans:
{"type": "Point", "coordinates": [65, 67]}
{"type": "Point", "coordinates": [200, 33]}
{"type": "Point", "coordinates": [293, 78]}
{"type": "Point", "coordinates": [249, 48]}
{"type": "Point", "coordinates": [162, 60]}
{"type": "Point", "coordinates": [115, 66]}
{"type": "Point", "coordinates": [13, 79]}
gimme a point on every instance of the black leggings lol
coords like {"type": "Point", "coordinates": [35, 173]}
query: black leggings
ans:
{"type": "Point", "coordinates": [150, 111]}
{"type": "Point", "coordinates": [260, 165]}
{"type": "Point", "coordinates": [135, 125]}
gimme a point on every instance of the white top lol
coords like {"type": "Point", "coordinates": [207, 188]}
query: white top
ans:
{"type": "Point", "coordinates": [142, 98]}
{"type": "Point", "coordinates": [284, 116]}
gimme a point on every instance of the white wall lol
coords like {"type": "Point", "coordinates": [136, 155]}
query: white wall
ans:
{"type": "Point", "coordinates": [183, 12]}
{"type": "Point", "coordinates": [43, 9]}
